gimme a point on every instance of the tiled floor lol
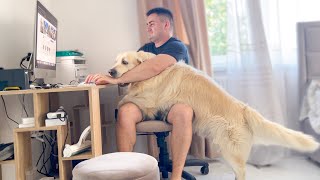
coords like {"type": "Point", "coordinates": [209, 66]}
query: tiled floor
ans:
{"type": "Point", "coordinates": [291, 168]}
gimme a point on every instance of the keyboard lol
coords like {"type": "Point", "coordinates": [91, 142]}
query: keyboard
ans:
{"type": "Point", "coordinates": [66, 85]}
{"type": "Point", "coordinates": [86, 84]}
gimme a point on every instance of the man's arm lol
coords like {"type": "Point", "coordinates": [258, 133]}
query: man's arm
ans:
{"type": "Point", "coordinates": [145, 70]}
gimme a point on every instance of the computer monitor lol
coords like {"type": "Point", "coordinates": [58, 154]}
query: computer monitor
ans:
{"type": "Point", "coordinates": [45, 44]}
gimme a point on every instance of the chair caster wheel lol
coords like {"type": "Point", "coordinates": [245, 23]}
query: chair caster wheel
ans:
{"type": "Point", "coordinates": [205, 170]}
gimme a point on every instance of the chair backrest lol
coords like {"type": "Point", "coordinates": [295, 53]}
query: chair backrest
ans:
{"type": "Point", "coordinates": [121, 94]}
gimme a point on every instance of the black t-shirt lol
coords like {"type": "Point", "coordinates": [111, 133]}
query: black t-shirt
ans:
{"type": "Point", "coordinates": [172, 47]}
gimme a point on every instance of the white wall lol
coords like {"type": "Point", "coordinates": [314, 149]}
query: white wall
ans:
{"type": "Point", "coordinates": [16, 30]}
{"type": "Point", "coordinates": [98, 28]}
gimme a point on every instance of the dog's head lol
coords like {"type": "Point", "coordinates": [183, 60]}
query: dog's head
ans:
{"type": "Point", "coordinates": [127, 61]}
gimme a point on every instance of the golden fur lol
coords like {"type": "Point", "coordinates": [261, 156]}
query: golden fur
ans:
{"type": "Point", "coordinates": [231, 124]}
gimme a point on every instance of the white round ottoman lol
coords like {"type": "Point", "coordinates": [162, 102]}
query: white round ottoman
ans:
{"type": "Point", "coordinates": [118, 166]}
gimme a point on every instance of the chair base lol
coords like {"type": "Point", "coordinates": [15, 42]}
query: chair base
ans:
{"type": "Point", "coordinates": [165, 164]}
{"type": "Point", "coordinates": [190, 162]}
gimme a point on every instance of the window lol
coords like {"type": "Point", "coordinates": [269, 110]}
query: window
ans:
{"type": "Point", "coordinates": [279, 19]}
{"type": "Point", "coordinates": [216, 12]}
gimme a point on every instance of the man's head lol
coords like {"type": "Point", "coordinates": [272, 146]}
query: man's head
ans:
{"type": "Point", "coordinates": [127, 61]}
{"type": "Point", "coordinates": [159, 24]}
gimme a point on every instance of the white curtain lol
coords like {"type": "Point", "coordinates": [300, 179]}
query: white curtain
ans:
{"type": "Point", "coordinates": [249, 70]}
{"type": "Point", "coordinates": [280, 18]}
{"type": "Point", "coordinates": [261, 63]}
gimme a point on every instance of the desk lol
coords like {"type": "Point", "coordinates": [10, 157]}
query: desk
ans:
{"type": "Point", "coordinates": [22, 139]}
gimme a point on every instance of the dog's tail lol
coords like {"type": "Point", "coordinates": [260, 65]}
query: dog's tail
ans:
{"type": "Point", "coordinates": [269, 133]}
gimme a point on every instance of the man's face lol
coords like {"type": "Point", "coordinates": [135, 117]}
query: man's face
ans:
{"type": "Point", "coordinates": [155, 27]}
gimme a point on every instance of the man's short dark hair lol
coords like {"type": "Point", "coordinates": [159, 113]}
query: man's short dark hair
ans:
{"type": "Point", "coordinates": [161, 12]}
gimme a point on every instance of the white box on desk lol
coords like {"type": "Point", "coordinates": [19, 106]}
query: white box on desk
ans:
{"type": "Point", "coordinates": [69, 69]}
{"type": "Point", "coordinates": [55, 122]}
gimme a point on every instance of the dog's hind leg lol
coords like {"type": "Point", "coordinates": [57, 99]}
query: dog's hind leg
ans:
{"type": "Point", "coordinates": [236, 153]}
{"type": "Point", "coordinates": [234, 140]}
{"type": "Point", "coordinates": [237, 163]}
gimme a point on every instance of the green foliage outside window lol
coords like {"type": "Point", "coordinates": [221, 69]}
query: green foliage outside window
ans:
{"type": "Point", "coordinates": [216, 11]}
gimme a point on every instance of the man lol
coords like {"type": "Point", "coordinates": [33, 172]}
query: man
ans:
{"type": "Point", "coordinates": [168, 50]}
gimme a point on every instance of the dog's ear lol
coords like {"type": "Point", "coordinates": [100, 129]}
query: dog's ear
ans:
{"type": "Point", "coordinates": [118, 57]}
{"type": "Point", "coordinates": [142, 56]}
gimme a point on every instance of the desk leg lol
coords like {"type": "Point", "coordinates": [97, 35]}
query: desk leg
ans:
{"type": "Point", "coordinates": [41, 108]}
{"type": "Point", "coordinates": [95, 121]}
{"type": "Point", "coordinates": [0, 173]}
{"type": "Point", "coordinates": [22, 153]}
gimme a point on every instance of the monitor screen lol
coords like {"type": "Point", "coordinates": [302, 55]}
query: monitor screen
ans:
{"type": "Point", "coordinates": [45, 43]}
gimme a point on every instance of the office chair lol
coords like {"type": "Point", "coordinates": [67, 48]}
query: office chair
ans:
{"type": "Point", "coordinates": [162, 129]}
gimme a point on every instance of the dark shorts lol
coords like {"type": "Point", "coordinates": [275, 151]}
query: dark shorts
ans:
{"type": "Point", "coordinates": [161, 115]}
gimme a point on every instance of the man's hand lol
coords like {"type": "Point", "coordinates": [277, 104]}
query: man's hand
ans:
{"type": "Point", "coordinates": [100, 79]}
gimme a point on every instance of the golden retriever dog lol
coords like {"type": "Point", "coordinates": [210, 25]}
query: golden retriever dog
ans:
{"type": "Point", "coordinates": [229, 123]}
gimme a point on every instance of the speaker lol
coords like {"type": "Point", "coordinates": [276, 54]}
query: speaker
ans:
{"type": "Point", "coordinates": [14, 77]}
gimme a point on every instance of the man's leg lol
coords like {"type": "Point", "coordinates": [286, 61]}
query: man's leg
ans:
{"type": "Point", "coordinates": [128, 116]}
{"type": "Point", "coordinates": [180, 116]}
